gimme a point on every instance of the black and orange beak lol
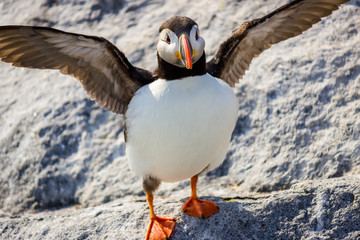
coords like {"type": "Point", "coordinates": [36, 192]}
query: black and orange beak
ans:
{"type": "Point", "coordinates": [186, 51]}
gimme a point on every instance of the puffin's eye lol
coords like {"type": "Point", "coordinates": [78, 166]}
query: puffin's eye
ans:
{"type": "Point", "coordinates": [167, 39]}
{"type": "Point", "coordinates": [197, 35]}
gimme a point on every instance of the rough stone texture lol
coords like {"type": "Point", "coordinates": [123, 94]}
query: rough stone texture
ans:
{"type": "Point", "coordinates": [326, 209]}
{"type": "Point", "coordinates": [298, 129]}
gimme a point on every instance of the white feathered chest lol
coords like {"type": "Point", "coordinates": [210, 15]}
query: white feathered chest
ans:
{"type": "Point", "coordinates": [176, 129]}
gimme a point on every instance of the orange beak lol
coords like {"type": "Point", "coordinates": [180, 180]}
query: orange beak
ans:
{"type": "Point", "coordinates": [186, 51]}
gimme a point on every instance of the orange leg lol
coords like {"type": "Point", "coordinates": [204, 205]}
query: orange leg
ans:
{"type": "Point", "coordinates": [196, 207]}
{"type": "Point", "coordinates": [160, 228]}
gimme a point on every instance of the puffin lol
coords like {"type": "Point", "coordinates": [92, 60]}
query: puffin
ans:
{"type": "Point", "coordinates": [179, 117]}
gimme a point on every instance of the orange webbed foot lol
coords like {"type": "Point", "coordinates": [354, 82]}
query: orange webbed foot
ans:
{"type": "Point", "coordinates": [160, 228]}
{"type": "Point", "coordinates": [199, 208]}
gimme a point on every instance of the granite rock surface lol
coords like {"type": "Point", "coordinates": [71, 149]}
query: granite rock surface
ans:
{"type": "Point", "coordinates": [293, 166]}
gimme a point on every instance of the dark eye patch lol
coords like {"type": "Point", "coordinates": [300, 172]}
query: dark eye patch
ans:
{"type": "Point", "coordinates": [167, 39]}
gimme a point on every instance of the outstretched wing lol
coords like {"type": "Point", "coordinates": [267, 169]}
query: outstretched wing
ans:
{"type": "Point", "coordinates": [103, 70]}
{"type": "Point", "coordinates": [234, 55]}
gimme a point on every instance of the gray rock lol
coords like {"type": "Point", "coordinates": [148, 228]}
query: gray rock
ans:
{"type": "Point", "coordinates": [298, 126]}
{"type": "Point", "coordinates": [313, 209]}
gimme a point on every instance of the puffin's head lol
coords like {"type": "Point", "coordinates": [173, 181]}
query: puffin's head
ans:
{"type": "Point", "coordinates": [180, 43]}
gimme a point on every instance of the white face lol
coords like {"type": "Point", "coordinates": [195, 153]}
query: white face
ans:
{"type": "Point", "coordinates": [169, 47]}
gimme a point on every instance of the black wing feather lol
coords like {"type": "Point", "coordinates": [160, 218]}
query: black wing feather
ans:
{"type": "Point", "coordinates": [103, 70]}
{"type": "Point", "coordinates": [234, 56]}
